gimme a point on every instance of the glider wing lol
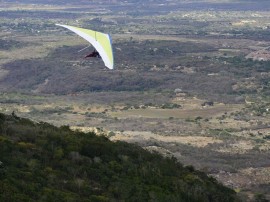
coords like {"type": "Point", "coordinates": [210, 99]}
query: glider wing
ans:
{"type": "Point", "coordinates": [101, 42]}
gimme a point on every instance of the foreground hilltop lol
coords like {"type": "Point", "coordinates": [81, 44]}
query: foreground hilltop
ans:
{"type": "Point", "coordinates": [40, 162]}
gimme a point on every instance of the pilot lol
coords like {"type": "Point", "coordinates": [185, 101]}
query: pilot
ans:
{"type": "Point", "coordinates": [94, 54]}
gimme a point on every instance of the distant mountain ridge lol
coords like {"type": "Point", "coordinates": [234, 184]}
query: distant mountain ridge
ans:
{"type": "Point", "coordinates": [119, 1]}
{"type": "Point", "coordinates": [79, 1]}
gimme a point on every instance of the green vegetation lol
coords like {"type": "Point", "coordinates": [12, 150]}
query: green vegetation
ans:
{"type": "Point", "coordinates": [40, 162]}
{"type": "Point", "coordinates": [198, 47]}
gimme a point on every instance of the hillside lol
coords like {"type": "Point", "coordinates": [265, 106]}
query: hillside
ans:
{"type": "Point", "coordinates": [191, 80]}
{"type": "Point", "coordinates": [40, 162]}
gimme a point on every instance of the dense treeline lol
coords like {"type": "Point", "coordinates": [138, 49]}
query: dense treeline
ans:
{"type": "Point", "coordinates": [40, 162]}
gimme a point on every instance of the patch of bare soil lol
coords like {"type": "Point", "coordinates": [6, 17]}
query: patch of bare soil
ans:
{"type": "Point", "coordinates": [233, 180]}
{"type": "Point", "coordinates": [226, 123]}
{"type": "Point", "coordinates": [258, 136]}
{"type": "Point", "coordinates": [259, 175]}
{"type": "Point", "coordinates": [245, 178]}
{"type": "Point", "coordinates": [137, 136]}
{"type": "Point", "coordinates": [86, 129]}
{"type": "Point", "coordinates": [261, 55]}
{"type": "Point", "coordinates": [239, 147]}
{"type": "Point", "coordinates": [161, 150]}
{"type": "Point", "coordinates": [176, 113]}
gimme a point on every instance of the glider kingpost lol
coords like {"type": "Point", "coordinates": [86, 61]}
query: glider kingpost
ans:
{"type": "Point", "coordinates": [101, 42]}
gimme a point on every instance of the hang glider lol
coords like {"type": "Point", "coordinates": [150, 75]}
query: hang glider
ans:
{"type": "Point", "coordinates": [101, 42]}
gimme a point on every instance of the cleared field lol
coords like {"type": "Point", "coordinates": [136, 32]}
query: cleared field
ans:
{"type": "Point", "coordinates": [176, 113]}
{"type": "Point", "coordinates": [138, 136]}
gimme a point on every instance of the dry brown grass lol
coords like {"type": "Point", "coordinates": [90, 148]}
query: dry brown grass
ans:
{"type": "Point", "coordinates": [138, 136]}
{"type": "Point", "coordinates": [176, 113]}
{"type": "Point", "coordinates": [238, 147]}
{"type": "Point", "coordinates": [42, 46]}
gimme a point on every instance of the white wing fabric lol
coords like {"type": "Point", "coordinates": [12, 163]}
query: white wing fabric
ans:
{"type": "Point", "coordinates": [101, 42]}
